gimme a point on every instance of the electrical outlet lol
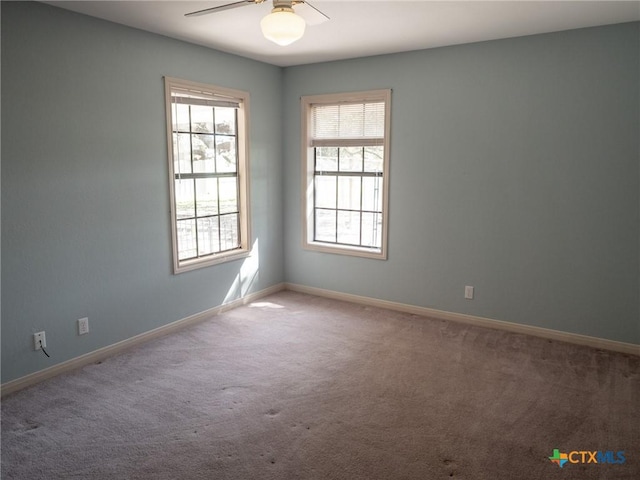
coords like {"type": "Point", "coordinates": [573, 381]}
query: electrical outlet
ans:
{"type": "Point", "coordinates": [83, 326]}
{"type": "Point", "coordinates": [468, 292]}
{"type": "Point", "coordinates": [39, 341]}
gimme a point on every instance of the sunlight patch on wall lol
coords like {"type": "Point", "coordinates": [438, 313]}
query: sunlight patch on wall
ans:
{"type": "Point", "coordinates": [247, 277]}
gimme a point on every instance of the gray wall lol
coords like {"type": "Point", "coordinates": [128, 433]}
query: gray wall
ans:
{"type": "Point", "coordinates": [514, 168]}
{"type": "Point", "coordinates": [85, 200]}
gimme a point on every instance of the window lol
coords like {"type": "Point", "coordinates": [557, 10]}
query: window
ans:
{"type": "Point", "coordinates": [209, 180]}
{"type": "Point", "coordinates": [346, 172]}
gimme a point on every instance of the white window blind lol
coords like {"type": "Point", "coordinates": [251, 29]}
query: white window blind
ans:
{"type": "Point", "coordinates": [348, 124]}
{"type": "Point", "coordinates": [203, 98]}
{"type": "Point", "coordinates": [204, 102]}
{"type": "Point", "coordinates": [345, 172]}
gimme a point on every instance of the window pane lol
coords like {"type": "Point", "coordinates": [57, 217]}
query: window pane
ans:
{"type": "Point", "coordinates": [225, 154]}
{"type": "Point", "coordinates": [351, 159]}
{"type": "Point", "coordinates": [228, 192]}
{"type": "Point", "coordinates": [208, 236]}
{"type": "Point", "coordinates": [373, 159]}
{"type": "Point", "coordinates": [225, 120]}
{"type": "Point", "coordinates": [349, 193]}
{"type": "Point", "coordinates": [186, 230]}
{"type": "Point", "coordinates": [201, 119]}
{"type": "Point", "coordinates": [185, 202]}
{"type": "Point", "coordinates": [229, 232]}
{"type": "Point", "coordinates": [207, 196]}
{"type": "Point", "coordinates": [372, 230]}
{"type": "Point", "coordinates": [349, 227]}
{"type": "Point", "coordinates": [326, 159]}
{"type": "Point", "coordinates": [181, 117]}
{"type": "Point", "coordinates": [206, 125]}
{"type": "Point", "coordinates": [354, 126]}
{"type": "Point", "coordinates": [325, 229]}
{"type": "Point", "coordinates": [325, 191]}
{"type": "Point", "coordinates": [182, 153]}
{"type": "Point", "coordinates": [372, 194]}
{"type": "Point", "coordinates": [203, 153]}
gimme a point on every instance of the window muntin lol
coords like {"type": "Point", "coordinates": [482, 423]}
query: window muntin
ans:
{"type": "Point", "coordinates": [208, 165]}
{"type": "Point", "coordinates": [346, 145]}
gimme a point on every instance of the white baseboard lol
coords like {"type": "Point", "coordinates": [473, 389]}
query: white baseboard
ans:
{"type": "Point", "coordinates": [110, 350]}
{"type": "Point", "coordinates": [547, 333]}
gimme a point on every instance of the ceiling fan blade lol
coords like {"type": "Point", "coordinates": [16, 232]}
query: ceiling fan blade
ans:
{"type": "Point", "coordinates": [221, 8]}
{"type": "Point", "coordinates": [311, 14]}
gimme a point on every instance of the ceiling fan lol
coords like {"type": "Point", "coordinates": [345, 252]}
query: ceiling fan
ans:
{"type": "Point", "coordinates": [283, 25]}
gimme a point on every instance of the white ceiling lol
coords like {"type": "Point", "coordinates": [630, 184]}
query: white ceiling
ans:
{"type": "Point", "coordinates": [358, 28]}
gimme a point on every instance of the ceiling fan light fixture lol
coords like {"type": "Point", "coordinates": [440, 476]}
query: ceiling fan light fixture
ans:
{"type": "Point", "coordinates": [282, 26]}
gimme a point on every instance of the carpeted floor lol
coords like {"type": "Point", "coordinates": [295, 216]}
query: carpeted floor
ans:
{"type": "Point", "coordinates": [299, 387]}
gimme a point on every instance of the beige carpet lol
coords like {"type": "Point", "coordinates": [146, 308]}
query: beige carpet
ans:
{"type": "Point", "coordinates": [300, 387]}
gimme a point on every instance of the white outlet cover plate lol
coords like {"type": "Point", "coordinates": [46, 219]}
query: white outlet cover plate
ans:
{"type": "Point", "coordinates": [468, 292]}
{"type": "Point", "coordinates": [39, 340]}
{"type": "Point", "coordinates": [83, 326]}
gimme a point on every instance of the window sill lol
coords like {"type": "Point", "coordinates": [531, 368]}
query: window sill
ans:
{"type": "Point", "coordinates": [364, 252]}
{"type": "Point", "coordinates": [188, 265]}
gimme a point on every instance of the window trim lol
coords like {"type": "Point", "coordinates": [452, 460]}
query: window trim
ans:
{"type": "Point", "coordinates": [180, 266]}
{"type": "Point", "coordinates": [306, 102]}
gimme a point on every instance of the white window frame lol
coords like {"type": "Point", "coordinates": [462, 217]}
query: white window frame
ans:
{"type": "Point", "coordinates": [218, 94]}
{"type": "Point", "coordinates": [308, 173]}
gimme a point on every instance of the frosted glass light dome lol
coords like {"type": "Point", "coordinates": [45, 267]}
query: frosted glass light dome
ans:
{"type": "Point", "coordinates": [282, 26]}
